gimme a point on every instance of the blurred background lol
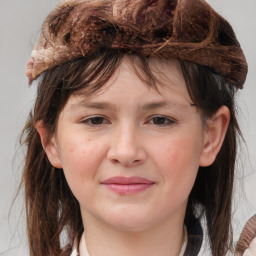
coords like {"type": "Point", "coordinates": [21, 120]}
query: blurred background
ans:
{"type": "Point", "coordinates": [20, 22]}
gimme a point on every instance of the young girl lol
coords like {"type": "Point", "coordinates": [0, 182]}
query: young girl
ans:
{"type": "Point", "coordinates": [131, 145]}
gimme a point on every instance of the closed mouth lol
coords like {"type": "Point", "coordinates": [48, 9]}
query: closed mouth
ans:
{"type": "Point", "coordinates": [127, 185]}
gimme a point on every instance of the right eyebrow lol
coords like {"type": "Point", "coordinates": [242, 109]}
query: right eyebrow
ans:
{"type": "Point", "coordinates": [92, 105]}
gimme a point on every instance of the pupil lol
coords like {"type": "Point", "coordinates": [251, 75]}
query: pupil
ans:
{"type": "Point", "coordinates": [159, 120]}
{"type": "Point", "coordinates": [96, 120]}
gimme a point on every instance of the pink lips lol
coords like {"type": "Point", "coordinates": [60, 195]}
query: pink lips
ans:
{"type": "Point", "coordinates": [127, 185]}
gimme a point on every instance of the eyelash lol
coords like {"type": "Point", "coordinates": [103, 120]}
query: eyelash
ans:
{"type": "Point", "coordinates": [165, 121]}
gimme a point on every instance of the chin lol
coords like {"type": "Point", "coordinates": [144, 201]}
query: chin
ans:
{"type": "Point", "coordinates": [128, 220]}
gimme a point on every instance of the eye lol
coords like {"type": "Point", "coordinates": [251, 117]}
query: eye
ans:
{"type": "Point", "coordinates": [161, 121]}
{"type": "Point", "coordinates": [95, 120]}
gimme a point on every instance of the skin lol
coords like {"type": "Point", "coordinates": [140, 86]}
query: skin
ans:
{"type": "Point", "coordinates": [127, 135]}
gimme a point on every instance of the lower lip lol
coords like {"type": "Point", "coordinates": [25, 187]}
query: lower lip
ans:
{"type": "Point", "coordinates": [129, 189]}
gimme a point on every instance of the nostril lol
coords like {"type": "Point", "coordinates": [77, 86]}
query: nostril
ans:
{"type": "Point", "coordinates": [126, 162]}
{"type": "Point", "coordinates": [115, 161]}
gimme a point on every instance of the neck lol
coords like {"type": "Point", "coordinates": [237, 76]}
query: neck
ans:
{"type": "Point", "coordinates": [164, 239]}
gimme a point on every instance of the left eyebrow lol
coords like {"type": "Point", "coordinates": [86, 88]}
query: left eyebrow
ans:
{"type": "Point", "coordinates": [155, 105]}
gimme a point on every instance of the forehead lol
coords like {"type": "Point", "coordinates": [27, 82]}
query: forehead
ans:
{"type": "Point", "coordinates": [158, 78]}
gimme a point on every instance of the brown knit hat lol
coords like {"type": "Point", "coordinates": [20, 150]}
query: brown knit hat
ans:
{"type": "Point", "coordinates": [183, 29]}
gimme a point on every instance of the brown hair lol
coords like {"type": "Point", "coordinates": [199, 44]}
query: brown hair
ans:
{"type": "Point", "coordinates": [51, 208]}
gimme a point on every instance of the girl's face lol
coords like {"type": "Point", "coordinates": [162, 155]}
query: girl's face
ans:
{"type": "Point", "coordinates": [130, 154]}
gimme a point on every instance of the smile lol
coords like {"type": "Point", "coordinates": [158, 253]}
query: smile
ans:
{"type": "Point", "coordinates": [127, 185]}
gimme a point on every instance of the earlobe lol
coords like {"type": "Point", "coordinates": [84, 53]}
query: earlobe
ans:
{"type": "Point", "coordinates": [215, 133]}
{"type": "Point", "coordinates": [49, 145]}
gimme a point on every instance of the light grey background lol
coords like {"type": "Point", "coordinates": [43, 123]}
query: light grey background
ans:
{"type": "Point", "coordinates": [20, 22]}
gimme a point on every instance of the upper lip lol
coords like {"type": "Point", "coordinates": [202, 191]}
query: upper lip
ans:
{"type": "Point", "coordinates": [127, 180]}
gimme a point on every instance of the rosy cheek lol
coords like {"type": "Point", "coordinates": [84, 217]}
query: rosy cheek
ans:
{"type": "Point", "coordinates": [79, 158]}
{"type": "Point", "coordinates": [179, 167]}
{"type": "Point", "coordinates": [179, 156]}
{"type": "Point", "coordinates": [80, 165]}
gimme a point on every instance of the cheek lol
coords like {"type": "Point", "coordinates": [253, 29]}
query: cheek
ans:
{"type": "Point", "coordinates": [179, 161]}
{"type": "Point", "coordinates": [78, 155]}
{"type": "Point", "coordinates": [80, 160]}
{"type": "Point", "coordinates": [178, 153]}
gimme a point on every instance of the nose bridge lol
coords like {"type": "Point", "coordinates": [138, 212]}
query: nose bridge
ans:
{"type": "Point", "coordinates": [126, 147]}
{"type": "Point", "coordinates": [126, 134]}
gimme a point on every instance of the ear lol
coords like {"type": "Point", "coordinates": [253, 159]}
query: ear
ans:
{"type": "Point", "coordinates": [214, 136]}
{"type": "Point", "coordinates": [49, 145]}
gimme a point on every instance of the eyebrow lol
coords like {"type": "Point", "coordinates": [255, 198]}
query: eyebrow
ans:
{"type": "Point", "coordinates": [93, 105]}
{"type": "Point", "coordinates": [154, 105]}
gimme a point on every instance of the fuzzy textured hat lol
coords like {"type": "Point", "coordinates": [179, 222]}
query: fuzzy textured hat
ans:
{"type": "Point", "coordinates": [182, 29]}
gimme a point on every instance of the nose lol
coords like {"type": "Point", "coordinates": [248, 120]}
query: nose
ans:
{"type": "Point", "coordinates": [126, 147]}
